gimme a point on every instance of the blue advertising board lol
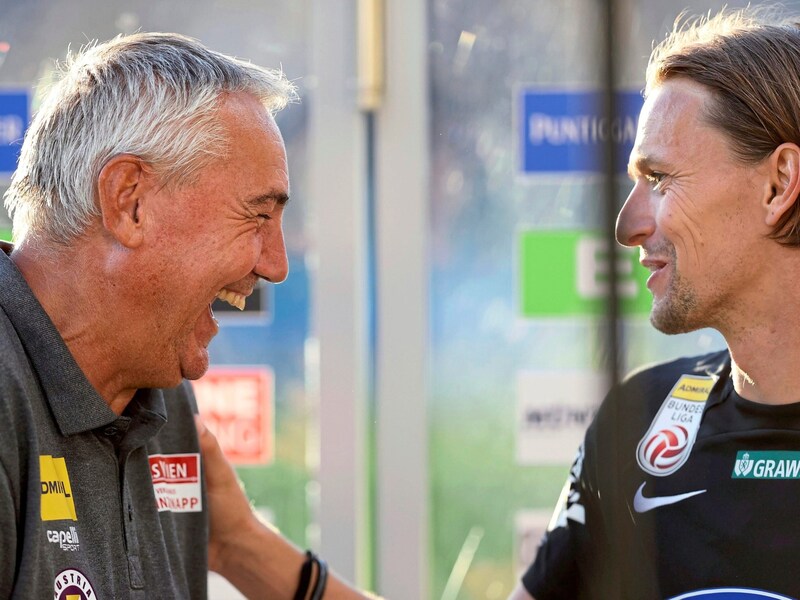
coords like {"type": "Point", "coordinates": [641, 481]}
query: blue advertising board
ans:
{"type": "Point", "coordinates": [566, 131]}
{"type": "Point", "coordinates": [14, 116]}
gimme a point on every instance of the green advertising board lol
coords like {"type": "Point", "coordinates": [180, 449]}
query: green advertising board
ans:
{"type": "Point", "coordinates": [565, 273]}
{"type": "Point", "coordinates": [5, 234]}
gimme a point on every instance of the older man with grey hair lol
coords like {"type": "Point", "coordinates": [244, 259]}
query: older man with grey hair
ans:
{"type": "Point", "coordinates": [152, 180]}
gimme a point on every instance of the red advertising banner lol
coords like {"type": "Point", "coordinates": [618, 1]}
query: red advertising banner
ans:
{"type": "Point", "coordinates": [236, 404]}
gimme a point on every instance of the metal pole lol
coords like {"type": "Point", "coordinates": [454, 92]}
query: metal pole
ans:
{"type": "Point", "coordinates": [609, 13]}
{"type": "Point", "coordinates": [610, 188]}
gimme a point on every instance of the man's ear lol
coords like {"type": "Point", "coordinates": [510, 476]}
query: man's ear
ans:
{"type": "Point", "coordinates": [784, 179]}
{"type": "Point", "coordinates": [121, 190]}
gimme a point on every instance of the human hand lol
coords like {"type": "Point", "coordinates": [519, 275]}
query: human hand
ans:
{"type": "Point", "coordinates": [252, 555]}
{"type": "Point", "coordinates": [230, 513]}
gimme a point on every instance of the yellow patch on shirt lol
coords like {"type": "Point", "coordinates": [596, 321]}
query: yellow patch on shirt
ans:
{"type": "Point", "coordinates": [57, 502]}
{"type": "Point", "coordinates": [693, 388]}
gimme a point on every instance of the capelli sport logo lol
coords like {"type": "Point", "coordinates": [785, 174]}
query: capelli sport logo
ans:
{"type": "Point", "coordinates": [66, 540]}
{"type": "Point", "coordinates": [57, 503]}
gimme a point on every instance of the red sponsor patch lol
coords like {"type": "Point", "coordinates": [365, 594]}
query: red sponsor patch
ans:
{"type": "Point", "coordinates": [176, 482]}
{"type": "Point", "coordinates": [174, 468]}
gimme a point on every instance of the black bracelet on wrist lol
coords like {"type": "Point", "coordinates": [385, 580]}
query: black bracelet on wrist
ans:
{"type": "Point", "coordinates": [304, 585]}
{"type": "Point", "coordinates": [322, 579]}
{"type": "Point", "coordinates": [305, 577]}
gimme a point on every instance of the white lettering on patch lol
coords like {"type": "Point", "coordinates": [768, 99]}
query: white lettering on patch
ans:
{"type": "Point", "coordinates": [71, 584]}
{"type": "Point", "coordinates": [66, 540]}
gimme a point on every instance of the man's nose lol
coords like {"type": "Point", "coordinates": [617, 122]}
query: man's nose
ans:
{"type": "Point", "coordinates": [273, 264]}
{"type": "Point", "coordinates": [635, 222]}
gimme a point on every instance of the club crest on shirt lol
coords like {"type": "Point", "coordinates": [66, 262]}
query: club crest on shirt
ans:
{"type": "Point", "coordinates": [668, 442]}
{"type": "Point", "coordinates": [71, 584]}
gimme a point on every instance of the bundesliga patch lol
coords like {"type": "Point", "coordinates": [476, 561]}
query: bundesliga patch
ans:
{"type": "Point", "coordinates": [669, 440]}
{"type": "Point", "coordinates": [176, 481]}
{"type": "Point", "coordinates": [752, 464]}
{"type": "Point", "coordinates": [71, 584]}
{"type": "Point", "coordinates": [57, 502]}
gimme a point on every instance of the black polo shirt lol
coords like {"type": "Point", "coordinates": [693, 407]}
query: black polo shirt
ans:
{"type": "Point", "coordinates": [683, 489]}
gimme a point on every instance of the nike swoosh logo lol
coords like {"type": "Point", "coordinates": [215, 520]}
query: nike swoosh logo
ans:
{"type": "Point", "coordinates": [642, 504]}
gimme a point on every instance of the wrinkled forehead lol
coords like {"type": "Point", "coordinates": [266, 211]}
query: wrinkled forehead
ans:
{"type": "Point", "coordinates": [672, 104]}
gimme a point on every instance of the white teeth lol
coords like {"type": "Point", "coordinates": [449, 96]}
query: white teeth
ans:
{"type": "Point", "coordinates": [232, 298]}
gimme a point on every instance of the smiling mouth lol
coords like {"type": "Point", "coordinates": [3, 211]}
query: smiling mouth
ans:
{"type": "Point", "coordinates": [233, 298]}
{"type": "Point", "coordinates": [653, 265]}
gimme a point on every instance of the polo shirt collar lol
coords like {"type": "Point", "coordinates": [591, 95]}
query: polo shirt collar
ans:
{"type": "Point", "coordinates": [147, 414]}
{"type": "Point", "coordinates": [75, 404]}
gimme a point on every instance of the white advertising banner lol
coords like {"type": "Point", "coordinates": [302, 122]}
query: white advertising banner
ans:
{"type": "Point", "coordinates": [554, 408]}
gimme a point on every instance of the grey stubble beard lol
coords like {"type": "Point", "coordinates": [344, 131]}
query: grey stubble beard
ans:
{"type": "Point", "coordinates": [676, 311]}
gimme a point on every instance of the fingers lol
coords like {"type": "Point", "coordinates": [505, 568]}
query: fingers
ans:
{"type": "Point", "coordinates": [208, 443]}
{"type": "Point", "coordinates": [218, 469]}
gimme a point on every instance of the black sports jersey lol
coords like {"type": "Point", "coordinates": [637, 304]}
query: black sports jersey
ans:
{"type": "Point", "coordinates": [682, 489]}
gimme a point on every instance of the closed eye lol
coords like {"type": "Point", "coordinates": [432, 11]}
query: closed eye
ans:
{"type": "Point", "coordinates": [655, 179]}
{"type": "Point", "coordinates": [266, 206]}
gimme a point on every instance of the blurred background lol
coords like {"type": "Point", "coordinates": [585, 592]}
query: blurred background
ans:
{"type": "Point", "coordinates": [408, 402]}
